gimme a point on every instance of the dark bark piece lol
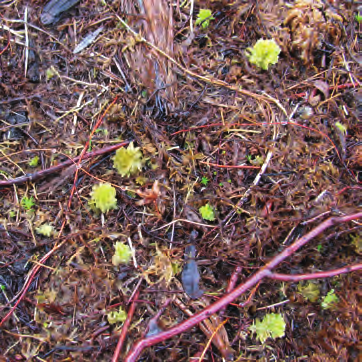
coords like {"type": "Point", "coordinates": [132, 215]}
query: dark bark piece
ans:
{"type": "Point", "coordinates": [190, 274]}
{"type": "Point", "coordinates": [54, 8]}
{"type": "Point", "coordinates": [149, 69]}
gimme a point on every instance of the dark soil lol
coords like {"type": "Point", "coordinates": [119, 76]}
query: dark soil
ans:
{"type": "Point", "coordinates": [273, 152]}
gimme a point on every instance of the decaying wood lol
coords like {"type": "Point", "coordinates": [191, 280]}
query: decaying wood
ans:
{"type": "Point", "coordinates": [154, 23]}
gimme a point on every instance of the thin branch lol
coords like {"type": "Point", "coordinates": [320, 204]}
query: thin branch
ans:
{"type": "Point", "coordinates": [317, 275]}
{"type": "Point", "coordinates": [125, 327]}
{"type": "Point", "coordinates": [33, 272]}
{"type": "Point", "coordinates": [84, 151]}
{"type": "Point", "coordinates": [241, 289]}
{"type": "Point", "coordinates": [229, 166]}
{"type": "Point", "coordinates": [60, 166]}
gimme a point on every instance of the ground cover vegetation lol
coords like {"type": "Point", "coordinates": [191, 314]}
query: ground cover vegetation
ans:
{"type": "Point", "coordinates": [180, 180]}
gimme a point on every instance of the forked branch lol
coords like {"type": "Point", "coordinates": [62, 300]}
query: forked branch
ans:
{"type": "Point", "coordinates": [241, 289]}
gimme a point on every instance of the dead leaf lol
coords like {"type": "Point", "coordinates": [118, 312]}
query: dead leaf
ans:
{"type": "Point", "coordinates": [323, 87]}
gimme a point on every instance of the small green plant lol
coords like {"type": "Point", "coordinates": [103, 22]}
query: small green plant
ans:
{"type": "Point", "coordinates": [257, 161]}
{"type": "Point", "coordinates": [45, 229]}
{"type": "Point", "coordinates": [204, 180]}
{"type": "Point", "coordinates": [102, 130]}
{"type": "Point", "coordinates": [264, 53]}
{"type": "Point", "coordinates": [131, 194]}
{"type": "Point", "coordinates": [310, 291]}
{"type": "Point", "coordinates": [104, 197]}
{"type": "Point", "coordinates": [27, 202]}
{"type": "Point", "coordinates": [34, 162]}
{"type": "Point", "coordinates": [204, 17]}
{"type": "Point", "coordinates": [122, 254]}
{"type": "Point", "coordinates": [341, 127]}
{"type": "Point", "coordinates": [116, 316]}
{"type": "Point", "coordinates": [141, 180]}
{"type": "Point", "coordinates": [329, 299]}
{"type": "Point", "coordinates": [357, 242]}
{"type": "Point", "coordinates": [128, 161]}
{"type": "Point", "coordinates": [273, 325]}
{"type": "Point", "coordinates": [207, 212]}
{"type": "Point", "coordinates": [50, 73]}
{"type": "Point", "coordinates": [12, 213]}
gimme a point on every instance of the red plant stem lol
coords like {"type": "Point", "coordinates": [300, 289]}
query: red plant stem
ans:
{"type": "Point", "coordinates": [125, 327]}
{"type": "Point", "coordinates": [263, 124]}
{"type": "Point", "coordinates": [231, 285]}
{"type": "Point", "coordinates": [228, 166]}
{"type": "Point", "coordinates": [30, 279]}
{"type": "Point", "coordinates": [234, 278]}
{"type": "Point", "coordinates": [349, 188]}
{"type": "Point", "coordinates": [324, 274]}
{"type": "Point", "coordinates": [250, 297]}
{"type": "Point", "coordinates": [7, 45]}
{"type": "Point", "coordinates": [84, 151]}
{"type": "Point", "coordinates": [228, 298]}
{"type": "Point", "coordinates": [50, 170]}
{"type": "Point", "coordinates": [341, 86]}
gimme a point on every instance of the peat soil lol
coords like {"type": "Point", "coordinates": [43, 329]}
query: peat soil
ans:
{"type": "Point", "coordinates": [238, 163]}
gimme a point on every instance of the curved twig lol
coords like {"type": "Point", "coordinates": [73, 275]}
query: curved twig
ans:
{"type": "Point", "coordinates": [324, 274]}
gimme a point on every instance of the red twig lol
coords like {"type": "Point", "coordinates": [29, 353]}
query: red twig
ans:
{"type": "Point", "coordinates": [84, 151]}
{"type": "Point", "coordinates": [349, 188]}
{"type": "Point", "coordinates": [30, 279]}
{"type": "Point", "coordinates": [125, 327]}
{"type": "Point", "coordinates": [234, 278]}
{"type": "Point", "coordinates": [7, 45]}
{"type": "Point", "coordinates": [324, 274]}
{"type": "Point", "coordinates": [250, 297]}
{"type": "Point", "coordinates": [262, 124]}
{"type": "Point", "coordinates": [231, 285]}
{"type": "Point", "coordinates": [228, 166]}
{"type": "Point", "coordinates": [228, 298]}
{"type": "Point", "coordinates": [60, 166]}
{"type": "Point", "coordinates": [341, 86]}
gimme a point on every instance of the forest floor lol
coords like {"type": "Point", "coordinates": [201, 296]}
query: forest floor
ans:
{"type": "Point", "coordinates": [236, 205]}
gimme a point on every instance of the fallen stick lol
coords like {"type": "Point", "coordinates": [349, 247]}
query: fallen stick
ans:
{"type": "Point", "coordinates": [40, 174]}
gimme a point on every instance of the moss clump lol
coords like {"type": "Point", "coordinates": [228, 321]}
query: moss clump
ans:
{"type": "Point", "coordinates": [264, 53]}
{"type": "Point", "coordinates": [45, 229]}
{"type": "Point", "coordinates": [310, 291]}
{"type": "Point", "coordinates": [122, 254]}
{"type": "Point", "coordinates": [128, 161]}
{"type": "Point", "coordinates": [273, 326]}
{"type": "Point", "coordinates": [104, 197]}
{"type": "Point", "coordinates": [116, 316]}
{"type": "Point", "coordinates": [207, 212]}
